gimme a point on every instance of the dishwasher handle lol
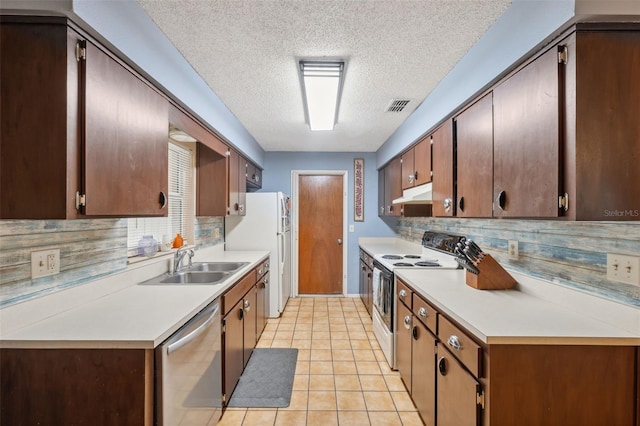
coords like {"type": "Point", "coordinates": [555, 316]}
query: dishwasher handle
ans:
{"type": "Point", "coordinates": [195, 333]}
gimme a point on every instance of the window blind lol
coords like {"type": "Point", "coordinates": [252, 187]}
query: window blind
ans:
{"type": "Point", "coordinates": [181, 203]}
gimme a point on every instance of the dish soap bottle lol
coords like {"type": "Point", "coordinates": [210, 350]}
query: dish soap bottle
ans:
{"type": "Point", "coordinates": [177, 241]}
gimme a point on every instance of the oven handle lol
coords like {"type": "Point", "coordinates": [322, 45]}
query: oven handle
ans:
{"type": "Point", "coordinates": [195, 333]}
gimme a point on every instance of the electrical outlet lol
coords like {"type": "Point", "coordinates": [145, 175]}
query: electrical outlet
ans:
{"type": "Point", "coordinates": [513, 249]}
{"type": "Point", "coordinates": [623, 269]}
{"type": "Point", "coordinates": [45, 263]}
{"type": "Point", "coordinates": [216, 232]}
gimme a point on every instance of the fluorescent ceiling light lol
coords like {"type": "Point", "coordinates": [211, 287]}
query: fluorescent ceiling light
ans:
{"type": "Point", "coordinates": [321, 89]}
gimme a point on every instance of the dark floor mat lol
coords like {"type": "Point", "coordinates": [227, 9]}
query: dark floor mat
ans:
{"type": "Point", "coordinates": [267, 380]}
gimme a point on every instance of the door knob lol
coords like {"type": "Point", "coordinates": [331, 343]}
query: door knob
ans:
{"type": "Point", "coordinates": [339, 241]}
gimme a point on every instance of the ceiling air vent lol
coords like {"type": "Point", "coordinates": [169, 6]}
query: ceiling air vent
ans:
{"type": "Point", "coordinates": [397, 105]}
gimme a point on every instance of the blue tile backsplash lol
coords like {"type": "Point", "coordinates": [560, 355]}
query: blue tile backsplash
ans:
{"type": "Point", "coordinates": [571, 253]}
{"type": "Point", "coordinates": [89, 249]}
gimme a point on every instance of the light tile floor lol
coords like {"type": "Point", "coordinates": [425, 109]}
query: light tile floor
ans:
{"type": "Point", "coordinates": [342, 377]}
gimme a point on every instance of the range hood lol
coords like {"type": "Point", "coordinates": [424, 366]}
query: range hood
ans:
{"type": "Point", "coordinates": [418, 195]}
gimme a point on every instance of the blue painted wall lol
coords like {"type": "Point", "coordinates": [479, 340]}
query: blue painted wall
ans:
{"type": "Point", "coordinates": [277, 177]}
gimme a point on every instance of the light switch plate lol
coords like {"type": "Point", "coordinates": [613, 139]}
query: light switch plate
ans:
{"type": "Point", "coordinates": [623, 268]}
{"type": "Point", "coordinates": [45, 263]}
{"type": "Point", "coordinates": [352, 228]}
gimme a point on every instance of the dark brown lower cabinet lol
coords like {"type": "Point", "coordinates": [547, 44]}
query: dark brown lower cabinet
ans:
{"type": "Point", "coordinates": [403, 343]}
{"type": "Point", "coordinates": [233, 347]}
{"type": "Point", "coordinates": [423, 372]}
{"type": "Point", "coordinates": [457, 401]}
{"type": "Point", "coordinates": [76, 387]}
{"type": "Point", "coordinates": [249, 318]}
{"type": "Point", "coordinates": [261, 308]}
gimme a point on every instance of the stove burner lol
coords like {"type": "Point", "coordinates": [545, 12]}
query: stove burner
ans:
{"type": "Point", "coordinates": [430, 264]}
{"type": "Point", "coordinates": [412, 256]}
{"type": "Point", "coordinates": [402, 264]}
{"type": "Point", "coordinates": [392, 256]}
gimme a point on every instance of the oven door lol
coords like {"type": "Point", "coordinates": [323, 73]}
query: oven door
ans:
{"type": "Point", "coordinates": [383, 293]}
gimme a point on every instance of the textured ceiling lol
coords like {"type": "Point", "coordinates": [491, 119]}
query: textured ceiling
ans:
{"type": "Point", "coordinates": [247, 52]}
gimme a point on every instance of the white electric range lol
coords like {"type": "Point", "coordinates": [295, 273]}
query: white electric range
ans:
{"type": "Point", "coordinates": [437, 253]}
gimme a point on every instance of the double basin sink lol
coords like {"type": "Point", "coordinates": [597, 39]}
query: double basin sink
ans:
{"type": "Point", "coordinates": [199, 273]}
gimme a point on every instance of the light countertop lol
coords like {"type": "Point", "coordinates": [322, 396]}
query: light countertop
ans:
{"type": "Point", "coordinates": [533, 312]}
{"type": "Point", "coordinates": [135, 316]}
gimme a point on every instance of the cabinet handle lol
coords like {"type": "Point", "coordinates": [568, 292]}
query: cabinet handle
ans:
{"type": "Point", "coordinates": [407, 322]}
{"type": "Point", "coordinates": [241, 208]}
{"type": "Point", "coordinates": [423, 312]}
{"type": "Point", "coordinates": [501, 199]}
{"type": "Point", "coordinates": [266, 281]}
{"type": "Point", "coordinates": [442, 366]}
{"type": "Point", "coordinates": [411, 178]}
{"type": "Point", "coordinates": [381, 209]}
{"type": "Point", "coordinates": [415, 175]}
{"type": "Point", "coordinates": [241, 313]}
{"type": "Point", "coordinates": [448, 203]}
{"type": "Point", "coordinates": [414, 332]}
{"type": "Point", "coordinates": [461, 204]}
{"type": "Point", "coordinates": [162, 200]}
{"type": "Point", "coordinates": [454, 342]}
{"type": "Point", "coordinates": [247, 306]}
{"type": "Point", "coordinates": [402, 294]}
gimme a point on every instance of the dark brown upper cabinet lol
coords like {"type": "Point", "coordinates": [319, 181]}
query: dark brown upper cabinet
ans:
{"type": "Point", "coordinates": [602, 131]}
{"type": "Point", "coordinates": [212, 164]}
{"type": "Point", "coordinates": [443, 170]}
{"type": "Point", "coordinates": [254, 177]}
{"type": "Point", "coordinates": [416, 164]}
{"type": "Point", "coordinates": [89, 140]}
{"type": "Point", "coordinates": [392, 187]}
{"type": "Point", "coordinates": [237, 184]}
{"type": "Point", "coordinates": [474, 140]}
{"type": "Point", "coordinates": [526, 144]}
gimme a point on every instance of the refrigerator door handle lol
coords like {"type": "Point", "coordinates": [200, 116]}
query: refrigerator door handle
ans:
{"type": "Point", "coordinates": [281, 253]}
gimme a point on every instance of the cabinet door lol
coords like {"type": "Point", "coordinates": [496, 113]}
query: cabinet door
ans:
{"type": "Point", "coordinates": [423, 372]}
{"type": "Point", "coordinates": [242, 185]}
{"type": "Point", "coordinates": [250, 304]}
{"type": "Point", "coordinates": [126, 126]}
{"type": "Point", "coordinates": [443, 166]}
{"type": "Point", "coordinates": [234, 184]}
{"type": "Point", "coordinates": [457, 392]}
{"type": "Point", "coordinates": [211, 176]}
{"type": "Point", "coordinates": [403, 343]}
{"type": "Point", "coordinates": [422, 161]}
{"type": "Point", "coordinates": [474, 139]}
{"type": "Point", "coordinates": [363, 283]}
{"type": "Point", "coordinates": [408, 169]}
{"type": "Point", "coordinates": [381, 198]}
{"type": "Point", "coordinates": [526, 144]}
{"type": "Point", "coordinates": [261, 300]}
{"type": "Point", "coordinates": [393, 187]}
{"type": "Point", "coordinates": [233, 348]}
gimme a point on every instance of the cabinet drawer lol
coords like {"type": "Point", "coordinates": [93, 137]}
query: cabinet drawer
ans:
{"type": "Point", "coordinates": [262, 269]}
{"type": "Point", "coordinates": [461, 346]}
{"type": "Point", "coordinates": [425, 313]}
{"type": "Point", "coordinates": [403, 293]}
{"type": "Point", "coordinates": [235, 293]}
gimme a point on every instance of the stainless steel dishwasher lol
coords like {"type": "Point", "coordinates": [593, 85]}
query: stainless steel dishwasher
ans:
{"type": "Point", "coordinates": [188, 372]}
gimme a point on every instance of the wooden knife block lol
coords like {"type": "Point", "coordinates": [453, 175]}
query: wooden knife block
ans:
{"type": "Point", "coordinates": [492, 276]}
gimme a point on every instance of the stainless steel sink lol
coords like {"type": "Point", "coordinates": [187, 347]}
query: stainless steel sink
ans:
{"type": "Point", "coordinates": [191, 277]}
{"type": "Point", "coordinates": [217, 266]}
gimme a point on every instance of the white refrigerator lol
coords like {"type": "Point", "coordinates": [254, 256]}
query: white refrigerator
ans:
{"type": "Point", "coordinates": [266, 226]}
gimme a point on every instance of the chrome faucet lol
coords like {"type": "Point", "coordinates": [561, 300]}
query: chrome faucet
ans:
{"type": "Point", "coordinates": [179, 256]}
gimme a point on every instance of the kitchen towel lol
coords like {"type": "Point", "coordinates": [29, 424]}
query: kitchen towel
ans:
{"type": "Point", "coordinates": [267, 381]}
{"type": "Point", "coordinates": [376, 287]}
